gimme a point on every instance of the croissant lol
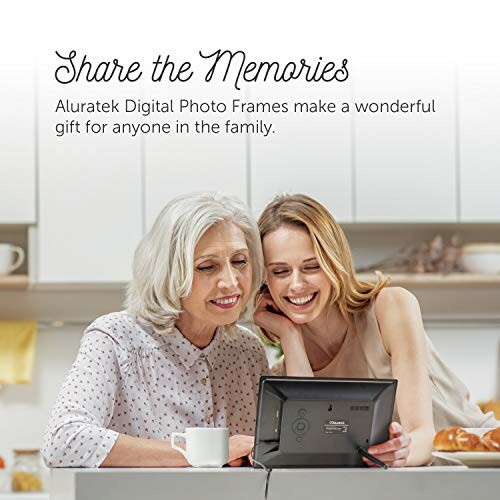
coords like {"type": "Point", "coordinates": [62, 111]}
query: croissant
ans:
{"type": "Point", "coordinates": [457, 439]}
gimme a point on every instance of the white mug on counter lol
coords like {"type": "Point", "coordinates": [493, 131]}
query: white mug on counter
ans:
{"type": "Point", "coordinates": [205, 446]}
{"type": "Point", "coordinates": [7, 252]}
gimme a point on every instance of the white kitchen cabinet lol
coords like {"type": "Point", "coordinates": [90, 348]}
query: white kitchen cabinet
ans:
{"type": "Point", "coordinates": [405, 164]}
{"type": "Point", "coordinates": [17, 141]}
{"type": "Point", "coordinates": [177, 163]}
{"type": "Point", "coordinates": [90, 190]}
{"type": "Point", "coordinates": [479, 139]}
{"type": "Point", "coordinates": [308, 153]}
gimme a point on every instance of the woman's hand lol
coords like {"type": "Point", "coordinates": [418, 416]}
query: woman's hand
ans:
{"type": "Point", "coordinates": [240, 447]}
{"type": "Point", "coordinates": [395, 451]}
{"type": "Point", "coordinates": [274, 322]}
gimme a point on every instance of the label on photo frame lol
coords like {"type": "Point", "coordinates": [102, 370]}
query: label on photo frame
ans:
{"type": "Point", "coordinates": [336, 426]}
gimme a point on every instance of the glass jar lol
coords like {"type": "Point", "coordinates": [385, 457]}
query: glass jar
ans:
{"type": "Point", "coordinates": [26, 473]}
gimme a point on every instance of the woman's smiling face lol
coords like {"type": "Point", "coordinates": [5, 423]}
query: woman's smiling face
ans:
{"type": "Point", "coordinates": [298, 285]}
{"type": "Point", "coordinates": [222, 279]}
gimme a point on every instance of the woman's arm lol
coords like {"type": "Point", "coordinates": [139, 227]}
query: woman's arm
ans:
{"type": "Point", "coordinates": [297, 363]}
{"type": "Point", "coordinates": [136, 452]}
{"type": "Point", "coordinates": [77, 434]}
{"type": "Point", "coordinates": [400, 320]}
{"type": "Point", "coordinates": [130, 451]}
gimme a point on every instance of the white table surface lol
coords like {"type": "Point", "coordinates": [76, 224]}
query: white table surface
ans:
{"type": "Point", "coordinates": [443, 483]}
{"type": "Point", "coordinates": [412, 483]}
{"type": "Point", "coordinates": [158, 483]}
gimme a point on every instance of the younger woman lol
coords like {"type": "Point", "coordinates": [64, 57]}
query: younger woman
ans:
{"type": "Point", "coordinates": [330, 324]}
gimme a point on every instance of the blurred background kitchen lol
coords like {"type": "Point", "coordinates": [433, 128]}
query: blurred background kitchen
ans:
{"type": "Point", "coordinates": [417, 194]}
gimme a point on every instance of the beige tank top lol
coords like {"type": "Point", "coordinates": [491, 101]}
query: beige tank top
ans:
{"type": "Point", "coordinates": [363, 355]}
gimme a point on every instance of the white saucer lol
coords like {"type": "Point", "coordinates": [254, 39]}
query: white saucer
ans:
{"type": "Point", "coordinates": [471, 458]}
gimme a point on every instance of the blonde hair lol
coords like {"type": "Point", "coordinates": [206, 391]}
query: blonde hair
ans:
{"type": "Point", "coordinates": [330, 246]}
{"type": "Point", "coordinates": [163, 264]}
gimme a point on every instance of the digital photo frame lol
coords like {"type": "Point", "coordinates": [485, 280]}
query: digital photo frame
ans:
{"type": "Point", "coordinates": [321, 422]}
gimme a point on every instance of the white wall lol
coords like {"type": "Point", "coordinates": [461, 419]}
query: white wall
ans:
{"type": "Point", "coordinates": [24, 409]}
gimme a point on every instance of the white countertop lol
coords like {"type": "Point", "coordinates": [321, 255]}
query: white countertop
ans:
{"type": "Point", "coordinates": [411, 483]}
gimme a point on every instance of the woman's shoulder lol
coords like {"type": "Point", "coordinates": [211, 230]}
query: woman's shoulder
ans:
{"type": "Point", "coordinates": [397, 311]}
{"type": "Point", "coordinates": [395, 300]}
{"type": "Point", "coordinates": [121, 328]}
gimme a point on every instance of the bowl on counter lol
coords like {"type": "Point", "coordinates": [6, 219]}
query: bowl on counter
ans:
{"type": "Point", "coordinates": [482, 258]}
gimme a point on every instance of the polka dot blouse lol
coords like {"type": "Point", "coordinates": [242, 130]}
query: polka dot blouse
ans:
{"type": "Point", "coordinates": [129, 379]}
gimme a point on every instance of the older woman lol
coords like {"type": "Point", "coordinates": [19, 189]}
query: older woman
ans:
{"type": "Point", "coordinates": [175, 358]}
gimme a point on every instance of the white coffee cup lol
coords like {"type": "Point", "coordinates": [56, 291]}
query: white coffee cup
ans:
{"type": "Point", "coordinates": [7, 252]}
{"type": "Point", "coordinates": [205, 446]}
